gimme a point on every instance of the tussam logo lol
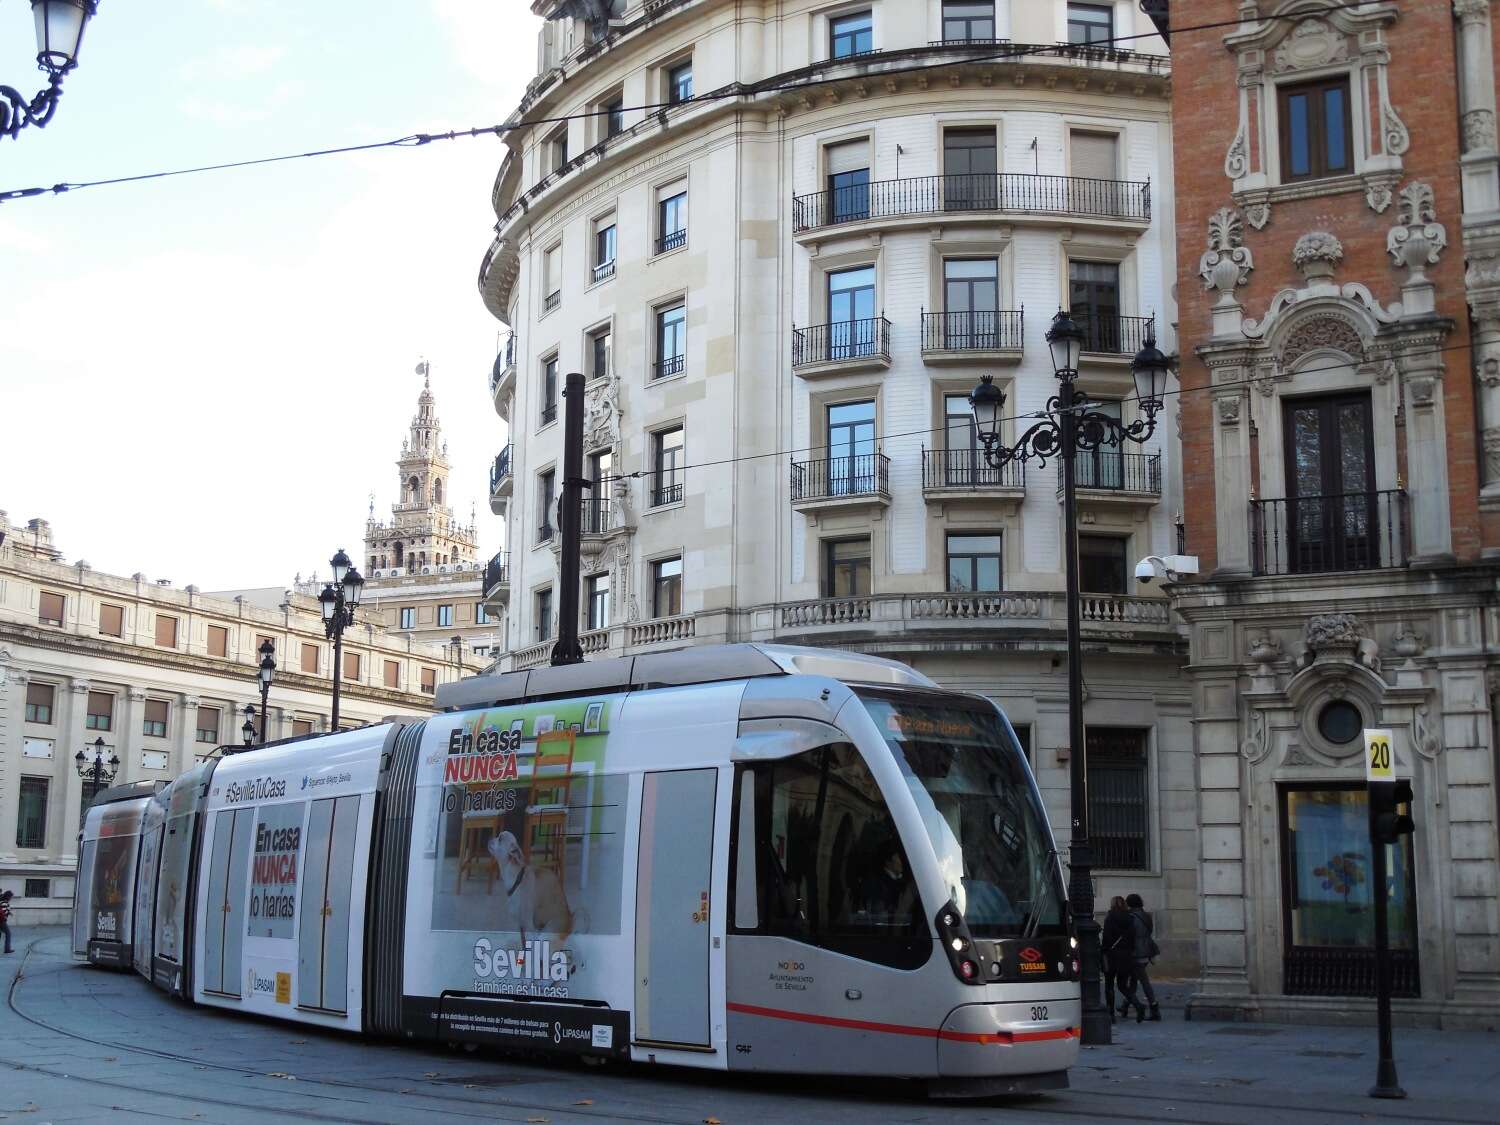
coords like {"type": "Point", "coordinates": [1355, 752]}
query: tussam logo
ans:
{"type": "Point", "coordinates": [1031, 960]}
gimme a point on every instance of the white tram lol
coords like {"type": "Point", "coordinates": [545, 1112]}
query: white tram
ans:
{"type": "Point", "coordinates": [743, 857]}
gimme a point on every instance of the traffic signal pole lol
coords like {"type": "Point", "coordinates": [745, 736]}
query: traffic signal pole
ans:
{"type": "Point", "coordinates": [1385, 794]}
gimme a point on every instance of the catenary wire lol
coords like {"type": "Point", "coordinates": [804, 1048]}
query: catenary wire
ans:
{"type": "Point", "coordinates": [416, 140]}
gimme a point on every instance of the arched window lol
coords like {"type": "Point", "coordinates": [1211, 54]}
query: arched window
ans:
{"type": "Point", "coordinates": [399, 555]}
{"type": "Point", "coordinates": [437, 490]}
{"type": "Point", "coordinates": [413, 491]}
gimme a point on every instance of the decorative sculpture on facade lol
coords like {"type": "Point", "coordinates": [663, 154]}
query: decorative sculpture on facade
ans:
{"type": "Point", "coordinates": [1227, 262]}
{"type": "Point", "coordinates": [1416, 242]}
{"type": "Point", "coordinates": [1316, 255]}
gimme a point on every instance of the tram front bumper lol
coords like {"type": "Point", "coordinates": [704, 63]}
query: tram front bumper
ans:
{"type": "Point", "coordinates": [1021, 1037]}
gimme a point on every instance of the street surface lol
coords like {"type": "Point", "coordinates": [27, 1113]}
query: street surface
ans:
{"type": "Point", "coordinates": [81, 1044]}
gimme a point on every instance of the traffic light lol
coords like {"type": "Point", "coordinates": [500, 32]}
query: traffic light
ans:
{"type": "Point", "coordinates": [1387, 825]}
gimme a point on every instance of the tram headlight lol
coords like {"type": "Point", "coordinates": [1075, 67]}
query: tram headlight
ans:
{"type": "Point", "coordinates": [1073, 942]}
{"type": "Point", "coordinates": [959, 945]}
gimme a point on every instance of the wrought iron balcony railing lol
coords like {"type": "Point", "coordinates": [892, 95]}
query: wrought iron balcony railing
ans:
{"type": "Point", "coordinates": [965, 469]}
{"type": "Point", "coordinates": [830, 478]}
{"type": "Point", "coordinates": [981, 330]}
{"type": "Point", "coordinates": [549, 414]}
{"type": "Point", "coordinates": [666, 488]}
{"type": "Point", "coordinates": [1108, 333]}
{"type": "Point", "coordinates": [604, 270]}
{"type": "Point", "coordinates": [671, 240]}
{"type": "Point", "coordinates": [500, 470]}
{"type": "Point", "coordinates": [1019, 192]}
{"type": "Point", "coordinates": [843, 340]}
{"type": "Point", "coordinates": [1109, 470]}
{"type": "Point", "coordinates": [1323, 534]}
{"type": "Point", "coordinates": [552, 300]}
{"type": "Point", "coordinates": [671, 365]}
{"type": "Point", "coordinates": [545, 533]}
{"type": "Point", "coordinates": [595, 515]}
{"type": "Point", "coordinates": [496, 573]}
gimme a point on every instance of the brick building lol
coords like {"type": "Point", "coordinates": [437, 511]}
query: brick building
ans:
{"type": "Point", "coordinates": [1336, 172]}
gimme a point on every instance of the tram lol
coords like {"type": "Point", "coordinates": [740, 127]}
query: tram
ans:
{"type": "Point", "coordinates": [742, 857]}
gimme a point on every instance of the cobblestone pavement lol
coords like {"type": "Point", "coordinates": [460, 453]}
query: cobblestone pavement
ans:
{"type": "Point", "coordinates": [81, 1044]}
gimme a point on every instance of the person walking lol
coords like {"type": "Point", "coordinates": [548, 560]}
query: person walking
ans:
{"type": "Point", "coordinates": [5, 897]}
{"type": "Point", "coordinates": [1118, 942]}
{"type": "Point", "coordinates": [1145, 950]}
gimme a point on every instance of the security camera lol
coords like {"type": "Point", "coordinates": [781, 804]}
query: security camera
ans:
{"type": "Point", "coordinates": [1171, 567]}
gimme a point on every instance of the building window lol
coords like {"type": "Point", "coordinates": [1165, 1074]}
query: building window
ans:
{"type": "Point", "coordinates": [669, 452]}
{"type": "Point", "coordinates": [112, 620]}
{"type": "Point", "coordinates": [261, 639]}
{"type": "Point", "coordinates": [680, 82]}
{"type": "Point", "coordinates": [974, 564]}
{"type": "Point", "coordinates": [481, 614]}
{"type": "Point", "coordinates": [351, 667]}
{"type": "Point", "coordinates": [549, 391]}
{"type": "Point", "coordinates": [851, 313]}
{"type": "Point", "coordinates": [31, 818]}
{"type": "Point", "coordinates": [599, 345]}
{"type": "Point", "coordinates": [596, 597]}
{"type": "Point", "coordinates": [50, 609]}
{"type": "Point", "coordinates": [605, 248]}
{"type": "Point", "coordinates": [301, 727]}
{"type": "Point", "coordinates": [155, 722]}
{"type": "Point", "coordinates": [310, 659]}
{"type": "Point", "coordinates": [558, 144]}
{"type": "Point", "coordinates": [544, 614]}
{"type": "Point", "coordinates": [614, 117]}
{"type": "Point", "coordinates": [546, 498]}
{"type": "Point", "coordinates": [1101, 564]}
{"type": "Point", "coordinates": [971, 303]}
{"type": "Point", "coordinates": [101, 711]}
{"type": "Point", "coordinates": [671, 221]}
{"type": "Point", "coordinates": [392, 674]}
{"type": "Point", "coordinates": [851, 448]}
{"type": "Point", "coordinates": [552, 278]}
{"type": "Point", "coordinates": [218, 640]}
{"type": "Point", "coordinates": [1340, 722]}
{"type": "Point", "coordinates": [1094, 299]}
{"type": "Point", "coordinates": [971, 162]}
{"type": "Point", "coordinates": [851, 34]}
{"type": "Point", "coordinates": [666, 587]}
{"type": "Point", "coordinates": [408, 615]}
{"type": "Point", "coordinates": [671, 340]}
{"type": "Point", "coordinates": [848, 166]}
{"type": "Point", "coordinates": [1093, 156]}
{"type": "Point", "coordinates": [39, 703]}
{"type": "Point", "coordinates": [968, 21]}
{"type": "Point", "coordinates": [846, 568]}
{"type": "Point", "coordinates": [1118, 823]}
{"type": "Point", "coordinates": [166, 631]}
{"type": "Point", "coordinates": [444, 616]}
{"type": "Point", "coordinates": [1023, 739]}
{"type": "Point", "coordinates": [1091, 23]}
{"type": "Point", "coordinates": [38, 888]}
{"type": "Point", "coordinates": [1315, 130]}
{"type": "Point", "coordinates": [429, 681]}
{"type": "Point", "coordinates": [207, 724]}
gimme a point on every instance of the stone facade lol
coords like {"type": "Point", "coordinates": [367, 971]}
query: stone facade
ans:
{"type": "Point", "coordinates": [162, 675]}
{"type": "Point", "coordinates": [1337, 496]}
{"type": "Point", "coordinates": [1039, 168]}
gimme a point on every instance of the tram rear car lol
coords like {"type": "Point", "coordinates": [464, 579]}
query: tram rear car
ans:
{"type": "Point", "coordinates": [105, 888]}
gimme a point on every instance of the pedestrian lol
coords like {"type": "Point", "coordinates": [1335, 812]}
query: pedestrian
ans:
{"type": "Point", "coordinates": [1146, 951]}
{"type": "Point", "coordinates": [5, 897]}
{"type": "Point", "coordinates": [1118, 942]}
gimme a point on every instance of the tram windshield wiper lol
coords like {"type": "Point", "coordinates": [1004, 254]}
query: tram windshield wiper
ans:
{"type": "Point", "coordinates": [1048, 890]}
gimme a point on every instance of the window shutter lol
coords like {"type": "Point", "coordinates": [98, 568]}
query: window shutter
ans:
{"type": "Point", "coordinates": [112, 620]}
{"type": "Point", "coordinates": [351, 665]}
{"type": "Point", "coordinates": [1094, 155]}
{"type": "Point", "coordinates": [39, 695]}
{"type": "Point", "coordinates": [51, 608]}
{"type": "Point", "coordinates": [166, 631]}
{"type": "Point", "coordinates": [101, 703]}
{"type": "Point", "coordinates": [156, 711]}
{"type": "Point", "coordinates": [392, 673]}
{"type": "Point", "coordinates": [429, 680]}
{"type": "Point", "coordinates": [850, 156]}
{"type": "Point", "coordinates": [310, 659]}
{"type": "Point", "coordinates": [218, 641]}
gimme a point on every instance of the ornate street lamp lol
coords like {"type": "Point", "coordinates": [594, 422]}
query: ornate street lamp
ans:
{"type": "Point", "coordinates": [1069, 427]}
{"type": "Point", "coordinates": [96, 772]}
{"type": "Point", "coordinates": [339, 600]}
{"type": "Point", "coordinates": [264, 674]}
{"type": "Point", "coordinates": [247, 729]}
{"type": "Point", "coordinates": [59, 33]}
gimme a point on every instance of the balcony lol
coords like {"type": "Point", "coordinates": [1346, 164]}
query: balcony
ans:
{"type": "Point", "coordinates": [501, 481]}
{"type": "Point", "coordinates": [549, 414]}
{"type": "Point", "coordinates": [1123, 202]}
{"type": "Point", "coordinates": [905, 617]}
{"type": "Point", "coordinates": [596, 516]}
{"type": "Point", "coordinates": [497, 579]}
{"type": "Point", "coordinates": [545, 533]}
{"type": "Point", "coordinates": [989, 335]}
{"type": "Point", "coordinates": [1112, 478]}
{"type": "Point", "coordinates": [503, 379]}
{"type": "Point", "coordinates": [848, 481]}
{"type": "Point", "coordinates": [603, 272]}
{"type": "Point", "coordinates": [846, 345]}
{"type": "Point", "coordinates": [1109, 334]}
{"type": "Point", "coordinates": [672, 240]}
{"type": "Point", "coordinates": [551, 301]}
{"type": "Point", "coordinates": [1328, 534]}
{"type": "Point", "coordinates": [671, 365]}
{"type": "Point", "coordinates": [666, 488]}
{"type": "Point", "coordinates": [955, 474]}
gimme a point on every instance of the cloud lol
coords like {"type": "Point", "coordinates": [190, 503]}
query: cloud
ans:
{"type": "Point", "coordinates": [492, 41]}
{"type": "Point", "coordinates": [232, 63]}
{"type": "Point", "coordinates": [227, 114]}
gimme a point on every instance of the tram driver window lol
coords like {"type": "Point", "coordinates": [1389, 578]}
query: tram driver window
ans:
{"type": "Point", "coordinates": [829, 867]}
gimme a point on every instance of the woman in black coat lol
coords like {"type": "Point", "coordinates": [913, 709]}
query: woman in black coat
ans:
{"type": "Point", "coordinates": [1118, 943]}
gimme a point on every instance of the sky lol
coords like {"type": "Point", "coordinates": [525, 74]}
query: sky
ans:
{"type": "Point", "coordinates": [204, 378]}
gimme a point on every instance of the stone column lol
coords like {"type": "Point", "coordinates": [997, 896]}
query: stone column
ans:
{"type": "Point", "coordinates": [1476, 99]}
{"type": "Point", "coordinates": [1232, 482]}
{"type": "Point", "coordinates": [13, 683]}
{"type": "Point", "coordinates": [1426, 454]}
{"type": "Point", "coordinates": [1484, 302]}
{"type": "Point", "coordinates": [128, 735]}
{"type": "Point", "coordinates": [73, 740]}
{"type": "Point", "coordinates": [187, 733]}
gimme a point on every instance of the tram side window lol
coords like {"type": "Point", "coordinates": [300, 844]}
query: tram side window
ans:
{"type": "Point", "coordinates": [829, 868]}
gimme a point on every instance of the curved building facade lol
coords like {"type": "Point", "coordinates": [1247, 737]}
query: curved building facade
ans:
{"type": "Point", "coordinates": [783, 241]}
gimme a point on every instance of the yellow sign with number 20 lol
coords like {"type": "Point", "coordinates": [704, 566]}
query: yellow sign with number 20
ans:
{"type": "Point", "coordinates": [1380, 758]}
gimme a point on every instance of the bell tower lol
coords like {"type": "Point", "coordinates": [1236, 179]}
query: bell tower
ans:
{"type": "Point", "coordinates": [422, 535]}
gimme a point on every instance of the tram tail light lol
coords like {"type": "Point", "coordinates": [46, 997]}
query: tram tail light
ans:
{"type": "Point", "coordinates": [954, 935]}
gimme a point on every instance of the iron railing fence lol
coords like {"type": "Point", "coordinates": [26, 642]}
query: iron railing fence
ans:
{"type": "Point", "coordinates": [967, 469]}
{"type": "Point", "coordinates": [1110, 470]}
{"type": "Point", "coordinates": [1322, 534]}
{"type": "Point", "coordinates": [500, 470]}
{"type": "Point", "coordinates": [595, 513]}
{"type": "Point", "coordinates": [843, 339]}
{"type": "Point", "coordinates": [496, 572]}
{"type": "Point", "coordinates": [1337, 971]}
{"type": "Point", "coordinates": [977, 330]}
{"type": "Point", "coordinates": [1112, 334]}
{"type": "Point", "coordinates": [671, 365]}
{"type": "Point", "coordinates": [827, 478]}
{"type": "Point", "coordinates": [666, 488]}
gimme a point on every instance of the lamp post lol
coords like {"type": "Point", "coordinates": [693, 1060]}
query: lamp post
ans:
{"type": "Point", "coordinates": [264, 674]}
{"type": "Point", "coordinates": [59, 33]}
{"type": "Point", "coordinates": [1068, 427]}
{"type": "Point", "coordinates": [96, 772]}
{"type": "Point", "coordinates": [339, 600]}
{"type": "Point", "coordinates": [247, 728]}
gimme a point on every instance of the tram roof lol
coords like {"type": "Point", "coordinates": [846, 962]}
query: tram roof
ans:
{"type": "Point", "coordinates": [702, 664]}
{"type": "Point", "coordinates": [128, 792]}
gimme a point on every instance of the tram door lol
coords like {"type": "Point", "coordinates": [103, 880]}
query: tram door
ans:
{"type": "Point", "coordinates": [145, 897]}
{"type": "Point", "coordinates": [83, 890]}
{"type": "Point", "coordinates": [672, 907]}
{"type": "Point", "coordinates": [327, 877]}
{"type": "Point", "coordinates": [224, 917]}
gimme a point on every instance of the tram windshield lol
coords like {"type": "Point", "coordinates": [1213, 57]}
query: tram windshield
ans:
{"type": "Point", "coordinates": [980, 810]}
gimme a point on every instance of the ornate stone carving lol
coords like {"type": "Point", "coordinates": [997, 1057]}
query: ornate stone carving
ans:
{"type": "Point", "coordinates": [1264, 649]}
{"type": "Point", "coordinates": [1408, 643]}
{"type": "Point", "coordinates": [1378, 190]}
{"type": "Point", "coordinates": [1492, 453]}
{"type": "Point", "coordinates": [1311, 43]}
{"type": "Point", "coordinates": [1489, 371]}
{"type": "Point", "coordinates": [1479, 129]}
{"type": "Point", "coordinates": [601, 404]}
{"type": "Point", "coordinates": [1255, 745]}
{"type": "Point", "coordinates": [1258, 213]}
{"type": "Point", "coordinates": [1227, 262]}
{"type": "Point", "coordinates": [1237, 159]}
{"type": "Point", "coordinates": [1419, 238]}
{"type": "Point", "coordinates": [1333, 630]}
{"type": "Point", "coordinates": [1316, 254]}
{"type": "Point", "coordinates": [1423, 737]}
{"type": "Point", "coordinates": [1323, 330]}
{"type": "Point", "coordinates": [1295, 757]}
{"type": "Point", "coordinates": [1422, 390]}
{"type": "Point", "coordinates": [1397, 139]}
{"type": "Point", "coordinates": [1229, 410]}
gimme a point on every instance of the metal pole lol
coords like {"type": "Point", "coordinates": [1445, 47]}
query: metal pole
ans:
{"type": "Point", "coordinates": [338, 655]}
{"type": "Point", "coordinates": [1387, 1085]}
{"type": "Point", "coordinates": [265, 692]}
{"type": "Point", "coordinates": [1096, 1028]}
{"type": "Point", "coordinates": [567, 650]}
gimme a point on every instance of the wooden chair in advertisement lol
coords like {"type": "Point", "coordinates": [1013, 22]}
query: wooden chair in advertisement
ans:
{"type": "Point", "coordinates": [551, 789]}
{"type": "Point", "coordinates": [473, 847]}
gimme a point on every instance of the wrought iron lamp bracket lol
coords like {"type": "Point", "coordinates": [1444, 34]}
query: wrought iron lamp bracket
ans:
{"type": "Point", "coordinates": [1092, 430]}
{"type": "Point", "coordinates": [17, 112]}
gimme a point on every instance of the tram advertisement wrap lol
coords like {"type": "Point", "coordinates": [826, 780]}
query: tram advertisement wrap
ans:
{"type": "Point", "coordinates": [520, 829]}
{"type": "Point", "coordinates": [114, 872]}
{"type": "Point", "coordinates": [273, 870]}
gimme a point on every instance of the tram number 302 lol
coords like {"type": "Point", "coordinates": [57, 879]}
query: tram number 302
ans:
{"type": "Point", "coordinates": [1039, 1011]}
